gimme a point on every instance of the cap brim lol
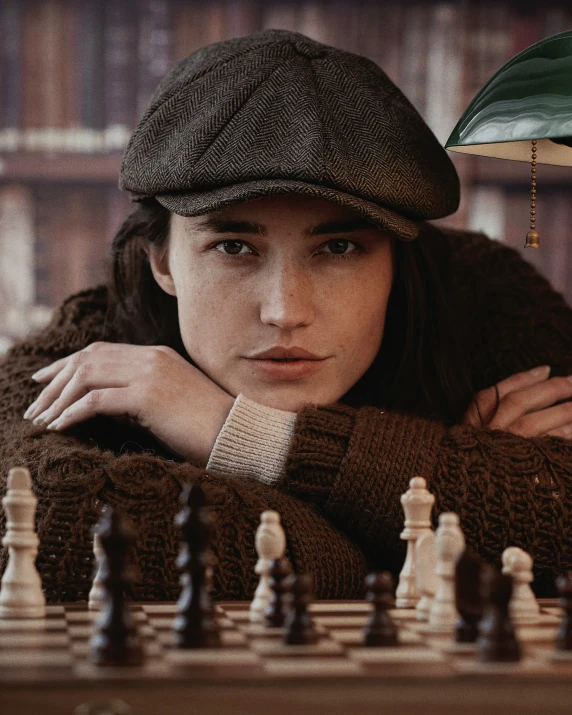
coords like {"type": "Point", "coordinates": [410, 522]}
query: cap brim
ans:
{"type": "Point", "coordinates": [195, 203]}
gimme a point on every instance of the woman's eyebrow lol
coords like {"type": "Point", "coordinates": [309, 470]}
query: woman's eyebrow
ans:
{"type": "Point", "coordinates": [219, 225]}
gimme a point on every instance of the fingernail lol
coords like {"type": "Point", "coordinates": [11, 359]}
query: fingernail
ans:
{"type": "Point", "coordinates": [29, 411]}
{"type": "Point", "coordinates": [56, 424]}
{"type": "Point", "coordinates": [40, 418]}
{"type": "Point", "coordinates": [541, 371]}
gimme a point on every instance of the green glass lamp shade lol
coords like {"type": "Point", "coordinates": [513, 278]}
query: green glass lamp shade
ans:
{"type": "Point", "coordinates": [530, 97]}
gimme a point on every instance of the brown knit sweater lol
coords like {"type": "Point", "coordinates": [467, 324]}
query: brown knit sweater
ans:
{"type": "Point", "coordinates": [346, 468]}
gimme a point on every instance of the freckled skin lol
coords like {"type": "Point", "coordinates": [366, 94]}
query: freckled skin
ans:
{"type": "Point", "coordinates": [283, 289]}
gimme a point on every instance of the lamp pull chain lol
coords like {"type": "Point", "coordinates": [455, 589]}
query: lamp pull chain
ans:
{"type": "Point", "coordinates": [532, 237]}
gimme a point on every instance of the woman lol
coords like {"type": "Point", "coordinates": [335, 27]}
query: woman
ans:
{"type": "Point", "coordinates": [284, 189]}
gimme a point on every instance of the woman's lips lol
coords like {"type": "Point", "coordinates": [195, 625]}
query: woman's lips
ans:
{"type": "Point", "coordinates": [288, 369]}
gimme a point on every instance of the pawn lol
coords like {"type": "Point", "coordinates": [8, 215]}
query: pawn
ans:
{"type": "Point", "coordinates": [380, 629]}
{"type": "Point", "coordinates": [564, 634]}
{"type": "Point", "coordinates": [298, 626]}
{"type": "Point", "coordinates": [425, 566]}
{"type": "Point", "coordinates": [496, 641]}
{"type": "Point", "coordinates": [468, 600]}
{"type": "Point", "coordinates": [450, 543]}
{"type": "Point", "coordinates": [270, 542]}
{"type": "Point", "coordinates": [21, 594]}
{"type": "Point", "coordinates": [194, 625]}
{"type": "Point", "coordinates": [518, 564]}
{"type": "Point", "coordinates": [276, 611]}
{"type": "Point", "coordinates": [115, 640]}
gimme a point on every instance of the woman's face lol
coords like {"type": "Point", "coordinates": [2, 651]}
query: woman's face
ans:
{"type": "Point", "coordinates": [281, 271]}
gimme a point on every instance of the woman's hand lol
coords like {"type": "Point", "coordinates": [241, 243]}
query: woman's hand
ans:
{"type": "Point", "coordinates": [151, 385]}
{"type": "Point", "coordinates": [525, 404]}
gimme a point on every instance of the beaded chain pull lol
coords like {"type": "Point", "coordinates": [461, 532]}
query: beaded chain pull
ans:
{"type": "Point", "coordinates": [532, 237]}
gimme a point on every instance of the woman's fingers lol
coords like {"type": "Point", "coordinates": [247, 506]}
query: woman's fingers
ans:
{"type": "Point", "coordinates": [530, 401]}
{"type": "Point", "coordinates": [73, 382]}
{"type": "Point", "coordinates": [109, 401]}
{"type": "Point", "coordinates": [555, 421]}
{"type": "Point", "coordinates": [483, 408]}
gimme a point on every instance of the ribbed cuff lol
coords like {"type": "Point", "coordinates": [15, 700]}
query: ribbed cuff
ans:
{"type": "Point", "coordinates": [253, 442]}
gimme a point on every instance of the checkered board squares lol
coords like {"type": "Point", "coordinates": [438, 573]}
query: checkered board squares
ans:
{"type": "Point", "coordinates": [57, 648]}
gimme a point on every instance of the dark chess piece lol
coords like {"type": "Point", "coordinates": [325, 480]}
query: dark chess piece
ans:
{"type": "Point", "coordinates": [194, 625]}
{"type": "Point", "coordinates": [380, 629]}
{"type": "Point", "coordinates": [298, 626]}
{"type": "Point", "coordinates": [115, 640]}
{"type": "Point", "coordinates": [275, 613]}
{"type": "Point", "coordinates": [468, 599]}
{"type": "Point", "coordinates": [564, 635]}
{"type": "Point", "coordinates": [496, 640]}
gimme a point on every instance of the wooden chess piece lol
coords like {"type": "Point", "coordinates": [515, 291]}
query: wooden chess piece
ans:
{"type": "Point", "coordinates": [298, 626]}
{"type": "Point", "coordinates": [417, 503]}
{"type": "Point", "coordinates": [523, 604]}
{"type": "Point", "coordinates": [496, 640]}
{"type": "Point", "coordinates": [21, 594]}
{"type": "Point", "coordinates": [380, 629]}
{"type": "Point", "coordinates": [426, 578]}
{"type": "Point", "coordinates": [194, 625]}
{"type": "Point", "coordinates": [270, 542]}
{"type": "Point", "coordinates": [115, 640]}
{"type": "Point", "coordinates": [450, 543]}
{"type": "Point", "coordinates": [564, 634]}
{"type": "Point", "coordinates": [468, 600]}
{"type": "Point", "coordinates": [275, 613]}
{"type": "Point", "coordinates": [97, 592]}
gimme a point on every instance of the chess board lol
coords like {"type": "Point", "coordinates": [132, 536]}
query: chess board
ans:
{"type": "Point", "coordinates": [52, 660]}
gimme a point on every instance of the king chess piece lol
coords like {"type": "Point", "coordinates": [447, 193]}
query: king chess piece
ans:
{"type": "Point", "coordinates": [21, 594]}
{"type": "Point", "coordinates": [270, 543]}
{"type": "Point", "coordinates": [194, 625]}
{"type": "Point", "coordinates": [115, 640]}
{"type": "Point", "coordinates": [417, 503]}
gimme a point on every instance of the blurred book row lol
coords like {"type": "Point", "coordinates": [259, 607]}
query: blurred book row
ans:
{"type": "Point", "coordinates": [76, 74]}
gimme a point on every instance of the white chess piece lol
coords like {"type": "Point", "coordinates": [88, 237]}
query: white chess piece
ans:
{"type": "Point", "coordinates": [417, 504]}
{"type": "Point", "coordinates": [523, 604]}
{"type": "Point", "coordinates": [425, 565]}
{"type": "Point", "coordinates": [450, 543]}
{"type": "Point", "coordinates": [97, 591]}
{"type": "Point", "coordinates": [21, 594]}
{"type": "Point", "coordinates": [270, 543]}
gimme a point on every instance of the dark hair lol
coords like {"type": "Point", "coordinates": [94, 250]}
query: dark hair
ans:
{"type": "Point", "coordinates": [420, 367]}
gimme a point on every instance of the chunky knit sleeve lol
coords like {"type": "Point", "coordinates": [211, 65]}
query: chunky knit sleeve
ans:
{"type": "Point", "coordinates": [99, 461]}
{"type": "Point", "coordinates": [354, 463]}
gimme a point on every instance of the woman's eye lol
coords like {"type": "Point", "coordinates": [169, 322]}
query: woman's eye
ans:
{"type": "Point", "coordinates": [234, 248]}
{"type": "Point", "coordinates": [338, 245]}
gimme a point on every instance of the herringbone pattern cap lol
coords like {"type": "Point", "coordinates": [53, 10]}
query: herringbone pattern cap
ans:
{"type": "Point", "coordinates": [277, 112]}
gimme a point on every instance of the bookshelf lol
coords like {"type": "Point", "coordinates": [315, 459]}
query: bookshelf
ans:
{"type": "Point", "coordinates": [75, 76]}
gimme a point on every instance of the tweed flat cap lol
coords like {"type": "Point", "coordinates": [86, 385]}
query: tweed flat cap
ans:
{"type": "Point", "coordinates": [276, 112]}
